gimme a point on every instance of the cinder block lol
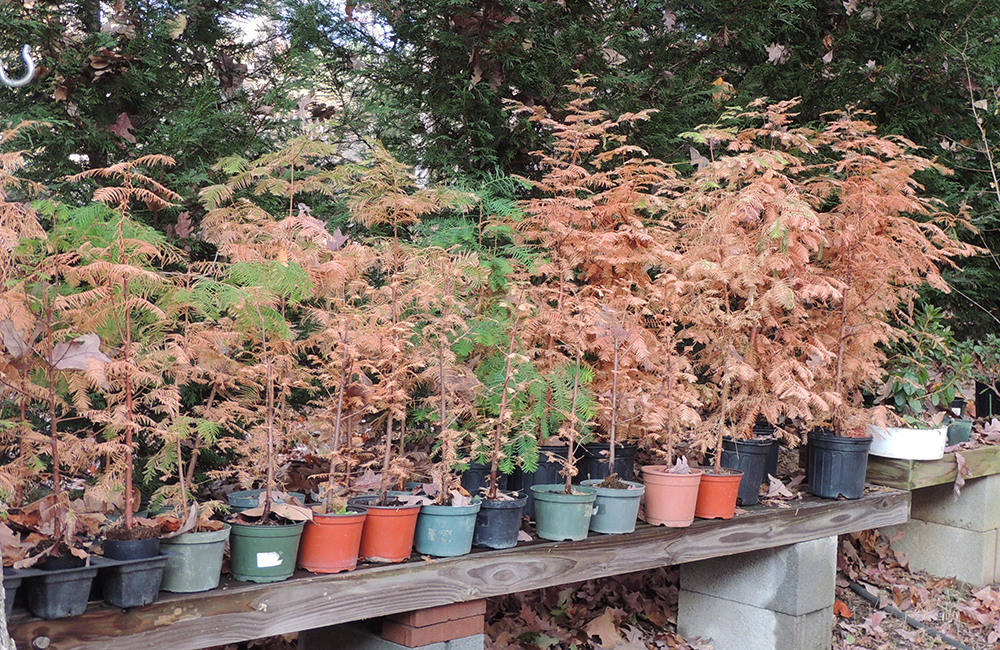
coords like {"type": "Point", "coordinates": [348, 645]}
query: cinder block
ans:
{"type": "Point", "coordinates": [729, 625]}
{"type": "Point", "coordinates": [793, 580]}
{"type": "Point", "coordinates": [433, 615]}
{"type": "Point", "coordinates": [978, 507]}
{"type": "Point", "coordinates": [365, 636]}
{"type": "Point", "coordinates": [947, 551]}
{"type": "Point", "coordinates": [415, 637]}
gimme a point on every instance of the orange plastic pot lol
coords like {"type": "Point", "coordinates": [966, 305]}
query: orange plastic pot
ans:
{"type": "Point", "coordinates": [717, 494]}
{"type": "Point", "coordinates": [331, 542]}
{"type": "Point", "coordinates": [670, 498]}
{"type": "Point", "coordinates": [387, 535]}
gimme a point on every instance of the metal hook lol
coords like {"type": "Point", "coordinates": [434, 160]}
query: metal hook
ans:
{"type": "Point", "coordinates": [29, 75]}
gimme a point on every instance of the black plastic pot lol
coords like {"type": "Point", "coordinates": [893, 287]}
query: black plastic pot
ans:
{"type": "Point", "coordinates": [499, 521]}
{"type": "Point", "coordinates": [957, 407]}
{"type": "Point", "coordinates": [592, 461]}
{"type": "Point", "coordinates": [477, 477]}
{"type": "Point", "coordinates": [767, 433]}
{"type": "Point", "coordinates": [59, 593]}
{"type": "Point", "coordinates": [547, 473]}
{"type": "Point", "coordinates": [131, 583]}
{"type": "Point", "coordinates": [11, 581]}
{"type": "Point", "coordinates": [131, 549]}
{"type": "Point", "coordinates": [750, 457]}
{"type": "Point", "coordinates": [987, 399]}
{"type": "Point", "coordinates": [836, 466]}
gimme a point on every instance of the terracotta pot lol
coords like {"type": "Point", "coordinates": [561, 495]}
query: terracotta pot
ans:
{"type": "Point", "coordinates": [388, 532]}
{"type": "Point", "coordinates": [717, 494]}
{"type": "Point", "coordinates": [330, 542]}
{"type": "Point", "coordinates": [670, 498]}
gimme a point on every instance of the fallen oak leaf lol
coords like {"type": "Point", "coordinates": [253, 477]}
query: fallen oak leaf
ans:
{"type": "Point", "coordinates": [963, 473]}
{"type": "Point", "coordinates": [122, 127]}
{"type": "Point", "coordinates": [841, 609]}
{"type": "Point", "coordinates": [778, 489]}
{"type": "Point", "coordinates": [78, 353]}
{"type": "Point", "coordinates": [603, 627]}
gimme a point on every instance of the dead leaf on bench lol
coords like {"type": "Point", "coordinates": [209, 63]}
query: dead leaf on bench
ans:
{"type": "Point", "coordinates": [963, 473]}
{"type": "Point", "coordinates": [778, 489]}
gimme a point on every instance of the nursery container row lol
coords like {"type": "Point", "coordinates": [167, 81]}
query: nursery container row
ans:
{"type": "Point", "coordinates": [131, 573]}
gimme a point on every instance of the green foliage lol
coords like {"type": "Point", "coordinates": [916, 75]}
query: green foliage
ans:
{"type": "Point", "coordinates": [928, 367]}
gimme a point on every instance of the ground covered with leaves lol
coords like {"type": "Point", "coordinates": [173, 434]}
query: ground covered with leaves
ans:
{"type": "Point", "coordinates": [638, 611]}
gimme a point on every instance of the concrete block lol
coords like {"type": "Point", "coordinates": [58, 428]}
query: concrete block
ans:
{"type": "Point", "coordinates": [793, 580]}
{"type": "Point", "coordinates": [947, 551]}
{"type": "Point", "coordinates": [978, 508]}
{"type": "Point", "coordinates": [366, 636]}
{"type": "Point", "coordinates": [730, 625]}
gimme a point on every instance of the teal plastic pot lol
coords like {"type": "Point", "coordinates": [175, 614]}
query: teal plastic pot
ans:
{"type": "Point", "coordinates": [246, 499]}
{"type": "Point", "coordinates": [959, 431]}
{"type": "Point", "coordinates": [195, 562]}
{"type": "Point", "coordinates": [615, 510]}
{"type": "Point", "coordinates": [560, 516]}
{"type": "Point", "coordinates": [445, 531]}
{"type": "Point", "coordinates": [264, 553]}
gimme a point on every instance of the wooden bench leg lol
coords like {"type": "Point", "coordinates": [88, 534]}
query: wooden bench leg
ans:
{"type": "Point", "coordinates": [776, 599]}
{"type": "Point", "coordinates": [959, 538]}
{"type": "Point", "coordinates": [450, 627]}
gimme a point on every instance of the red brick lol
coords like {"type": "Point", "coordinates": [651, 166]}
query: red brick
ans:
{"type": "Point", "coordinates": [414, 637]}
{"type": "Point", "coordinates": [432, 615]}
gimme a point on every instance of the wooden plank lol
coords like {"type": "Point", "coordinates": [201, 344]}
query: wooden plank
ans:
{"type": "Point", "coordinates": [913, 474]}
{"type": "Point", "coordinates": [241, 611]}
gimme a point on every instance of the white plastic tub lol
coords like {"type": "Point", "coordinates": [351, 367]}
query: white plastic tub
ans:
{"type": "Point", "coordinates": [908, 444]}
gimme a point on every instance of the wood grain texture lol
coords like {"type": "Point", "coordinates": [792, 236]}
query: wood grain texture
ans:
{"type": "Point", "coordinates": [239, 611]}
{"type": "Point", "coordinates": [913, 474]}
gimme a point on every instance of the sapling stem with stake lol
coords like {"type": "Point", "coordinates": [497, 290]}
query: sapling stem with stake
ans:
{"type": "Point", "coordinates": [497, 448]}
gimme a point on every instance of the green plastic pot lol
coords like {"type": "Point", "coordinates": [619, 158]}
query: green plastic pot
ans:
{"type": "Point", "coordinates": [264, 553]}
{"type": "Point", "coordinates": [445, 531]}
{"type": "Point", "coordinates": [195, 562]}
{"type": "Point", "coordinates": [959, 431]}
{"type": "Point", "coordinates": [560, 516]}
{"type": "Point", "coordinates": [615, 510]}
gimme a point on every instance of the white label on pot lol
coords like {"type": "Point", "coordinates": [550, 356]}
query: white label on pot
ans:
{"type": "Point", "coordinates": [595, 510]}
{"type": "Point", "coordinates": [270, 559]}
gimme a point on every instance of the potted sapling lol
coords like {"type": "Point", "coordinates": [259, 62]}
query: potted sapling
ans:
{"type": "Point", "coordinates": [877, 258]}
{"type": "Point", "coordinates": [563, 511]}
{"type": "Point", "coordinates": [617, 503]}
{"type": "Point", "coordinates": [498, 522]}
{"type": "Point", "coordinates": [197, 540]}
{"type": "Point", "coordinates": [43, 352]}
{"type": "Point", "coordinates": [331, 542]}
{"type": "Point", "coordinates": [921, 383]}
{"type": "Point", "coordinates": [385, 193]}
{"type": "Point", "coordinates": [447, 519]}
{"type": "Point", "coordinates": [117, 265]}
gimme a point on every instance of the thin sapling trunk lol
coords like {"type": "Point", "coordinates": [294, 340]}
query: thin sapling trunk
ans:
{"type": "Point", "coordinates": [497, 447]}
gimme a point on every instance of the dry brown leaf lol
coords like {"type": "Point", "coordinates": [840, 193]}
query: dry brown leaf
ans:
{"type": "Point", "coordinates": [777, 489]}
{"type": "Point", "coordinates": [603, 627]}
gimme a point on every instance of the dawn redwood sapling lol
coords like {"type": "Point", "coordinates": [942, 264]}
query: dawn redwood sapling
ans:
{"type": "Point", "coordinates": [117, 268]}
{"type": "Point", "coordinates": [383, 193]}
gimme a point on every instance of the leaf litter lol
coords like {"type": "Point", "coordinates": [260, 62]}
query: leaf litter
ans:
{"type": "Point", "coordinates": [636, 611]}
{"type": "Point", "coordinates": [953, 608]}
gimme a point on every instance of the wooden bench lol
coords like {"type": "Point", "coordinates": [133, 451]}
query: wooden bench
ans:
{"type": "Point", "coordinates": [241, 611]}
{"type": "Point", "coordinates": [948, 536]}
